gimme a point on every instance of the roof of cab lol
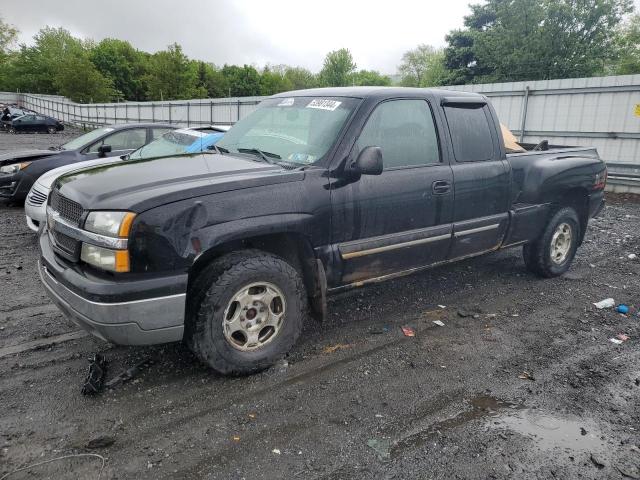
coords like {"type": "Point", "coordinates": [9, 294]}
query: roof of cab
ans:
{"type": "Point", "coordinates": [375, 92]}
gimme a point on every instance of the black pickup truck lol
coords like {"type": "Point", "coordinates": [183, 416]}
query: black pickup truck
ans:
{"type": "Point", "coordinates": [315, 192]}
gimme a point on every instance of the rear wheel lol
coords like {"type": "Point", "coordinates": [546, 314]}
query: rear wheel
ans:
{"type": "Point", "coordinates": [248, 312]}
{"type": "Point", "coordinates": [551, 255]}
{"type": "Point", "coordinates": [12, 130]}
{"type": "Point", "coordinates": [52, 130]}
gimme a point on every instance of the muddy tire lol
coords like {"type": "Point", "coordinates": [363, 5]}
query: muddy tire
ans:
{"type": "Point", "coordinates": [248, 309]}
{"type": "Point", "coordinates": [551, 255]}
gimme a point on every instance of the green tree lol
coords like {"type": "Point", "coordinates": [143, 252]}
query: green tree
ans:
{"type": "Point", "coordinates": [125, 66]}
{"type": "Point", "coordinates": [8, 36]}
{"type": "Point", "coordinates": [171, 75]}
{"type": "Point", "coordinates": [370, 78]}
{"type": "Point", "coordinates": [300, 78]}
{"type": "Point", "coordinates": [211, 81]}
{"type": "Point", "coordinates": [423, 67]}
{"type": "Point", "coordinates": [242, 81]}
{"type": "Point", "coordinates": [37, 67]}
{"type": "Point", "coordinates": [274, 80]}
{"type": "Point", "coordinates": [337, 69]}
{"type": "Point", "coordinates": [628, 46]}
{"type": "Point", "coordinates": [79, 80]}
{"type": "Point", "coordinates": [512, 40]}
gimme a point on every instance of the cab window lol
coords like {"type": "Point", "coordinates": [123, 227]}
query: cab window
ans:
{"type": "Point", "coordinates": [122, 140]}
{"type": "Point", "coordinates": [405, 131]}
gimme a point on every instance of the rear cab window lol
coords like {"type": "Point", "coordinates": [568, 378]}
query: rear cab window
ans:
{"type": "Point", "coordinates": [470, 130]}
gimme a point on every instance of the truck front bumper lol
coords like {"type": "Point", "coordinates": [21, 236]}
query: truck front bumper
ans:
{"type": "Point", "coordinates": [143, 321]}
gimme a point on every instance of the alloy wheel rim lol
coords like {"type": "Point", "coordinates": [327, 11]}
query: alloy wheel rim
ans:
{"type": "Point", "coordinates": [254, 316]}
{"type": "Point", "coordinates": [561, 243]}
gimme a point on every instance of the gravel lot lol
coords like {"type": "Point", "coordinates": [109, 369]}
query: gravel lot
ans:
{"type": "Point", "coordinates": [355, 399]}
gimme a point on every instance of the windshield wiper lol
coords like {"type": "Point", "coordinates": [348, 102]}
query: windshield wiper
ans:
{"type": "Point", "coordinates": [219, 150]}
{"type": "Point", "coordinates": [262, 154]}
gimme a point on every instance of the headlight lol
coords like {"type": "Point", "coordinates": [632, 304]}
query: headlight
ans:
{"type": "Point", "coordinates": [15, 168]}
{"type": "Point", "coordinates": [111, 224]}
{"type": "Point", "coordinates": [105, 258]}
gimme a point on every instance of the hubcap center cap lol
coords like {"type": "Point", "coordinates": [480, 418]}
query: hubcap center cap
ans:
{"type": "Point", "coordinates": [251, 313]}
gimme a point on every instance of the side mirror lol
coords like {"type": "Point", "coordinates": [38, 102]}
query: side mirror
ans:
{"type": "Point", "coordinates": [369, 161]}
{"type": "Point", "coordinates": [103, 150]}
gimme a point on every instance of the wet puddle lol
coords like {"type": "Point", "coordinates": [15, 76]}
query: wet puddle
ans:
{"type": "Point", "coordinates": [547, 431]}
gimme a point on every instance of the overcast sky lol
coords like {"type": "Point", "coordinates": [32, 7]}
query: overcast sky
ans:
{"type": "Point", "coordinates": [257, 32]}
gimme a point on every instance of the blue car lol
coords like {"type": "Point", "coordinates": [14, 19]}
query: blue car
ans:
{"type": "Point", "coordinates": [179, 142]}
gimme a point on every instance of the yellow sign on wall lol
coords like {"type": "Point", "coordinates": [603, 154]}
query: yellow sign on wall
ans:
{"type": "Point", "coordinates": [636, 110]}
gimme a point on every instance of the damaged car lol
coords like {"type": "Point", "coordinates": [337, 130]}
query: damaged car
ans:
{"type": "Point", "coordinates": [34, 123]}
{"type": "Point", "coordinates": [173, 143]}
{"type": "Point", "coordinates": [20, 170]}
{"type": "Point", "coordinates": [313, 193]}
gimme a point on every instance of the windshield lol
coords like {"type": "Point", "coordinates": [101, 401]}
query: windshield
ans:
{"type": "Point", "coordinates": [177, 142]}
{"type": "Point", "coordinates": [297, 130]}
{"type": "Point", "coordinates": [82, 140]}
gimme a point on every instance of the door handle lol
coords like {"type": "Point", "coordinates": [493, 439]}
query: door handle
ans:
{"type": "Point", "coordinates": [440, 187]}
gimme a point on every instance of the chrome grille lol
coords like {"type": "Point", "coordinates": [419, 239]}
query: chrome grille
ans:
{"type": "Point", "coordinates": [68, 209]}
{"type": "Point", "coordinates": [36, 197]}
{"type": "Point", "coordinates": [66, 243]}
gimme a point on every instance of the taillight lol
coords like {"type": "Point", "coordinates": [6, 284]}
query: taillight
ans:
{"type": "Point", "coordinates": [600, 180]}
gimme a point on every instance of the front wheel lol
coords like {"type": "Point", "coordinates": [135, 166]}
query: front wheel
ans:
{"type": "Point", "coordinates": [52, 130]}
{"type": "Point", "coordinates": [12, 130]}
{"type": "Point", "coordinates": [551, 255]}
{"type": "Point", "coordinates": [249, 309]}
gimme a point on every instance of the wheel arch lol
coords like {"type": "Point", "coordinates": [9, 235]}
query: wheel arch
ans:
{"type": "Point", "coordinates": [578, 199]}
{"type": "Point", "coordinates": [294, 247]}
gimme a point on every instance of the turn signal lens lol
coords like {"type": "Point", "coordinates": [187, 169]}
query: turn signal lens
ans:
{"type": "Point", "coordinates": [125, 226]}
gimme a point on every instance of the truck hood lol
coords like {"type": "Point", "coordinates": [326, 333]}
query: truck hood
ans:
{"type": "Point", "coordinates": [143, 184]}
{"type": "Point", "coordinates": [25, 156]}
{"type": "Point", "coordinates": [47, 179]}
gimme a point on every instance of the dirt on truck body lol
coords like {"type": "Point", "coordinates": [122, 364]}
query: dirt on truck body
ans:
{"type": "Point", "coordinates": [522, 381]}
{"type": "Point", "coordinates": [315, 192]}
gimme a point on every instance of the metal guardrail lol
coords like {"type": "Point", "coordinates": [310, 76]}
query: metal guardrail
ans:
{"type": "Point", "coordinates": [623, 177]}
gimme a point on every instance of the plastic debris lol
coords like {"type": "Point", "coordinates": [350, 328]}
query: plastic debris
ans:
{"type": "Point", "coordinates": [439, 323]}
{"type": "Point", "coordinates": [622, 337]}
{"type": "Point", "coordinates": [129, 373]}
{"type": "Point", "coordinates": [276, 451]}
{"type": "Point", "coordinates": [442, 306]}
{"type": "Point", "coordinates": [632, 256]}
{"type": "Point", "coordinates": [622, 308]}
{"type": "Point", "coordinates": [95, 378]}
{"type": "Point", "coordinates": [408, 331]}
{"type": "Point", "coordinates": [616, 341]}
{"type": "Point", "coordinates": [379, 330]}
{"type": "Point", "coordinates": [333, 348]}
{"type": "Point", "coordinates": [606, 303]}
{"type": "Point", "coordinates": [526, 376]}
{"type": "Point", "coordinates": [236, 438]}
{"type": "Point", "coordinates": [381, 447]}
{"type": "Point", "coordinates": [101, 442]}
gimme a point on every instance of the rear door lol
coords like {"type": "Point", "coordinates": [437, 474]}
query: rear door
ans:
{"type": "Point", "coordinates": [401, 219]}
{"type": "Point", "coordinates": [481, 176]}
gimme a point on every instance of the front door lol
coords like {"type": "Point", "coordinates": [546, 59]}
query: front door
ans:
{"type": "Point", "coordinates": [120, 141]}
{"type": "Point", "coordinates": [401, 219]}
{"type": "Point", "coordinates": [482, 180]}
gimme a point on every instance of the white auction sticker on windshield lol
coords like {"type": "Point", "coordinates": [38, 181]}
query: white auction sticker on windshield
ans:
{"type": "Point", "coordinates": [286, 102]}
{"type": "Point", "coordinates": [324, 104]}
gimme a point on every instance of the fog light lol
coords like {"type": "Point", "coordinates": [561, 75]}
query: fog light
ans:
{"type": "Point", "coordinates": [105, 258]}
